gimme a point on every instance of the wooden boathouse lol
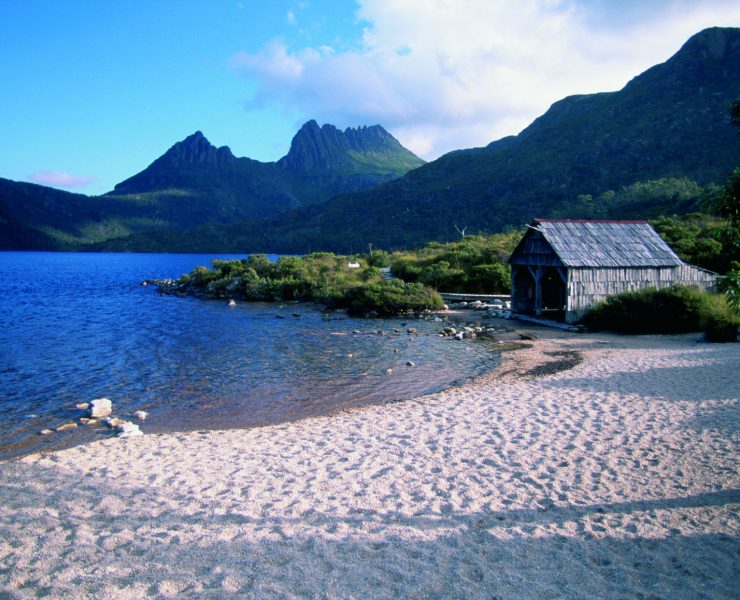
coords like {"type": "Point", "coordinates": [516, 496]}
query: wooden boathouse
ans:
{"type": "Point", "coordinates": [561, 267]}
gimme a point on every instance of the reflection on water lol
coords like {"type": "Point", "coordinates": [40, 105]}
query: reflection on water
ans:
{"type": "Point", "coordinates": [74, 327]}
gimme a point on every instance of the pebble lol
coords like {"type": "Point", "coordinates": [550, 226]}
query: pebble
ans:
{"type": "Point", "coordinates": [66, 427]}
{"type": "Point", "coordinates": [82, 405]}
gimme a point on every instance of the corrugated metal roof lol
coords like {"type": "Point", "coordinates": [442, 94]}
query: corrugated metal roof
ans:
{"type": "Point", "coordinates": [606, 243]}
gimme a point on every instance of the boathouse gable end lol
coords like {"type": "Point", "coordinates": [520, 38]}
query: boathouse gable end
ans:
{"type": "Point", "coordinates": [562, 267]}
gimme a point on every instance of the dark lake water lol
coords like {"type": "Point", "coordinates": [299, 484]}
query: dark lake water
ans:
{"type": "Point", "coordinates": [74, 327]}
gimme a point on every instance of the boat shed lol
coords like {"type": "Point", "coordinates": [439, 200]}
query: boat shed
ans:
{"type": "Point", "coordinates": [562, 267]}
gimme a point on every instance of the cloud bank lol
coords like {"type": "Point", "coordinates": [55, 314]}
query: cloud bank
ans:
{"type": "Point", "coordinates": [443, 74]}
{"type": "Point", "coordinates": [62, 180]}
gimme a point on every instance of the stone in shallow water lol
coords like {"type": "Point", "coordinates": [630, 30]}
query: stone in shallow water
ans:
{"type": "Point", "coordinates": [141, 415]}
{"type": "Point", "coordinates": [100, 407]}
{"type": "Point", "coordinates": [67, 426]}
{"type": "Point", "coordinates": [128, 429]}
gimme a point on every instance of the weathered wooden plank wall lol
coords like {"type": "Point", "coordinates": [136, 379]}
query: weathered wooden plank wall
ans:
{"type": "Point", "coordinates": [586, 287]}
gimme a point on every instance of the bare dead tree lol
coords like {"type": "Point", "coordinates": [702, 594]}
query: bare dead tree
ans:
{"type": "Point", "coordinates": [461, 231]}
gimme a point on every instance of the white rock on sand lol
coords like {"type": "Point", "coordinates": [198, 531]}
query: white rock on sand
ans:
{"type": "Point", "coordinates": [615, 479]}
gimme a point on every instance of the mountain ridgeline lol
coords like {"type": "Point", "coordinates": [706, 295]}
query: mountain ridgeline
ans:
{"type": "Point", "coordinates": [650, 148]}
{"type": "Point", "coordinates": [197, 184]}
{"type": "Point", "coordinates": [589, 156]}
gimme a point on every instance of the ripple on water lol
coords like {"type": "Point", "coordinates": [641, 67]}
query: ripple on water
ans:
{"type": "Point", "coordinates": [74, 327]}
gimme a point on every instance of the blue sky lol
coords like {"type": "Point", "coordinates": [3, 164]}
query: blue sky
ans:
{"type": "Point", "coordinates": [93, 91]}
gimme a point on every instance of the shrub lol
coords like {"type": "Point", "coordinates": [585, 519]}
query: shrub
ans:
{"type": "Point", "coordinates": [677, 309]}
{"type": "Point", "coordinates": [391, 297]}
{"type": "Point", "coordinates": [730, 285]}
{"type": "Point", "coordinates": [719, 321]}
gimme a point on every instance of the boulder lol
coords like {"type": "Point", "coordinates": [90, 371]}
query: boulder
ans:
{"type": "Point", "coordinates": [100, 407]}
{"type": "Point", "coordinates": [128, 429]}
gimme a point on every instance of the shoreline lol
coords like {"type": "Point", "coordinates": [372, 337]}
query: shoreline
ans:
{"type": "Point", "coordinates": [618, 477]}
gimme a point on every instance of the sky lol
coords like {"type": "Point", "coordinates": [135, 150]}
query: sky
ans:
{"type": "Point", "coordinates": [93, 91]}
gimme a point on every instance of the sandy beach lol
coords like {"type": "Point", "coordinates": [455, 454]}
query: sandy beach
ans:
{"type": "Point", "coordinates": [616, 478]}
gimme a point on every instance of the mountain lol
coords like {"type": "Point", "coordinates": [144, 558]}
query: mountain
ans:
{"type": "Point", "coordinates": [633, 153]}
{"type": "Point", "coordinates": [195, 183]}
{"type": "Point", "coordinates": [667, 124]}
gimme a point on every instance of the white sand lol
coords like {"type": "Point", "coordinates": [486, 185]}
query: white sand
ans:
{"type": "Point", "coordinates": [616, 479]}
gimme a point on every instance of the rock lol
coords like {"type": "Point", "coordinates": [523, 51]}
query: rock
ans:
{"type": "Point", "coordinates": [389, 371]}
{"type": "Point", "coordinates": [525, 335]}
{"type": "Point", "coordinates": [445, 307]}
{"type": "Point", "coordinates": [411, 331]}
{"type": "Point", "coordinates": [128, 429]}
{"type": "Point", "coordinates": [410, 363]}
{"type": "Point", "coordinates": [112, 421]}
{"type": "Point", "coordinates": [66, 427]}
{"type": "Point", "coordinates": [232, 302]}
{"type": "Point", "coordinates": [396, 350]}
{"type": "Point", "coordinates": [460, 336]}
{"type": "Point", "coordinates": [82, 405]}
{"type": "Point", "coordinates": [141, 415]}
{"type": "Point", "coordinates": [100, 407]}
{"type": "Point", "coordinates": [88, 421]}
{"type": "Point", "coordinates": [46, 432]}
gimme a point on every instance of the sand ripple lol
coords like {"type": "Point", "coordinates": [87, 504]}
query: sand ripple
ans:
{"type": "Point", "coordinates": [615, 479]}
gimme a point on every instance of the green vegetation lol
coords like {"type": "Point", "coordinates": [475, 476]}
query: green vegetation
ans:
{"type": "Point", "coordinates": [475, 265]}
{"type": "Point", "coordinates": [699, 239]}
{"type": "Point", "coordinates": [678, 309]}
{"type": "Point", "coordinates": [320, 277]}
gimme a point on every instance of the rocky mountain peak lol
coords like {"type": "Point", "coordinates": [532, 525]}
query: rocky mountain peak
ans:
{"type": "Point", "coordinates": [317, 148]}
{"type": "Point", "coordinates": [196, 149]}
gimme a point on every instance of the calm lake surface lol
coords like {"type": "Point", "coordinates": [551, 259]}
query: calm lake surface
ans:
{"type": "Point", "coordinates": [74, 327]}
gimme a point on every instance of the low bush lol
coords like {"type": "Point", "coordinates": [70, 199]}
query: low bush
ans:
{"type": "Point", "coordinates": [320, 277]}
{"type": "Point", "coordinates": [391, 297]}
{"type": "Point", "coordinates": [720, 322]}
{"type": "Point", "coordinates": [678, 309]}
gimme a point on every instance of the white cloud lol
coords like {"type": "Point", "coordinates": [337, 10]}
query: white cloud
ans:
{"type": "Point", "coordinates": [446, 74]}
{"type": "Point", "coordinates": [63, 180]}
